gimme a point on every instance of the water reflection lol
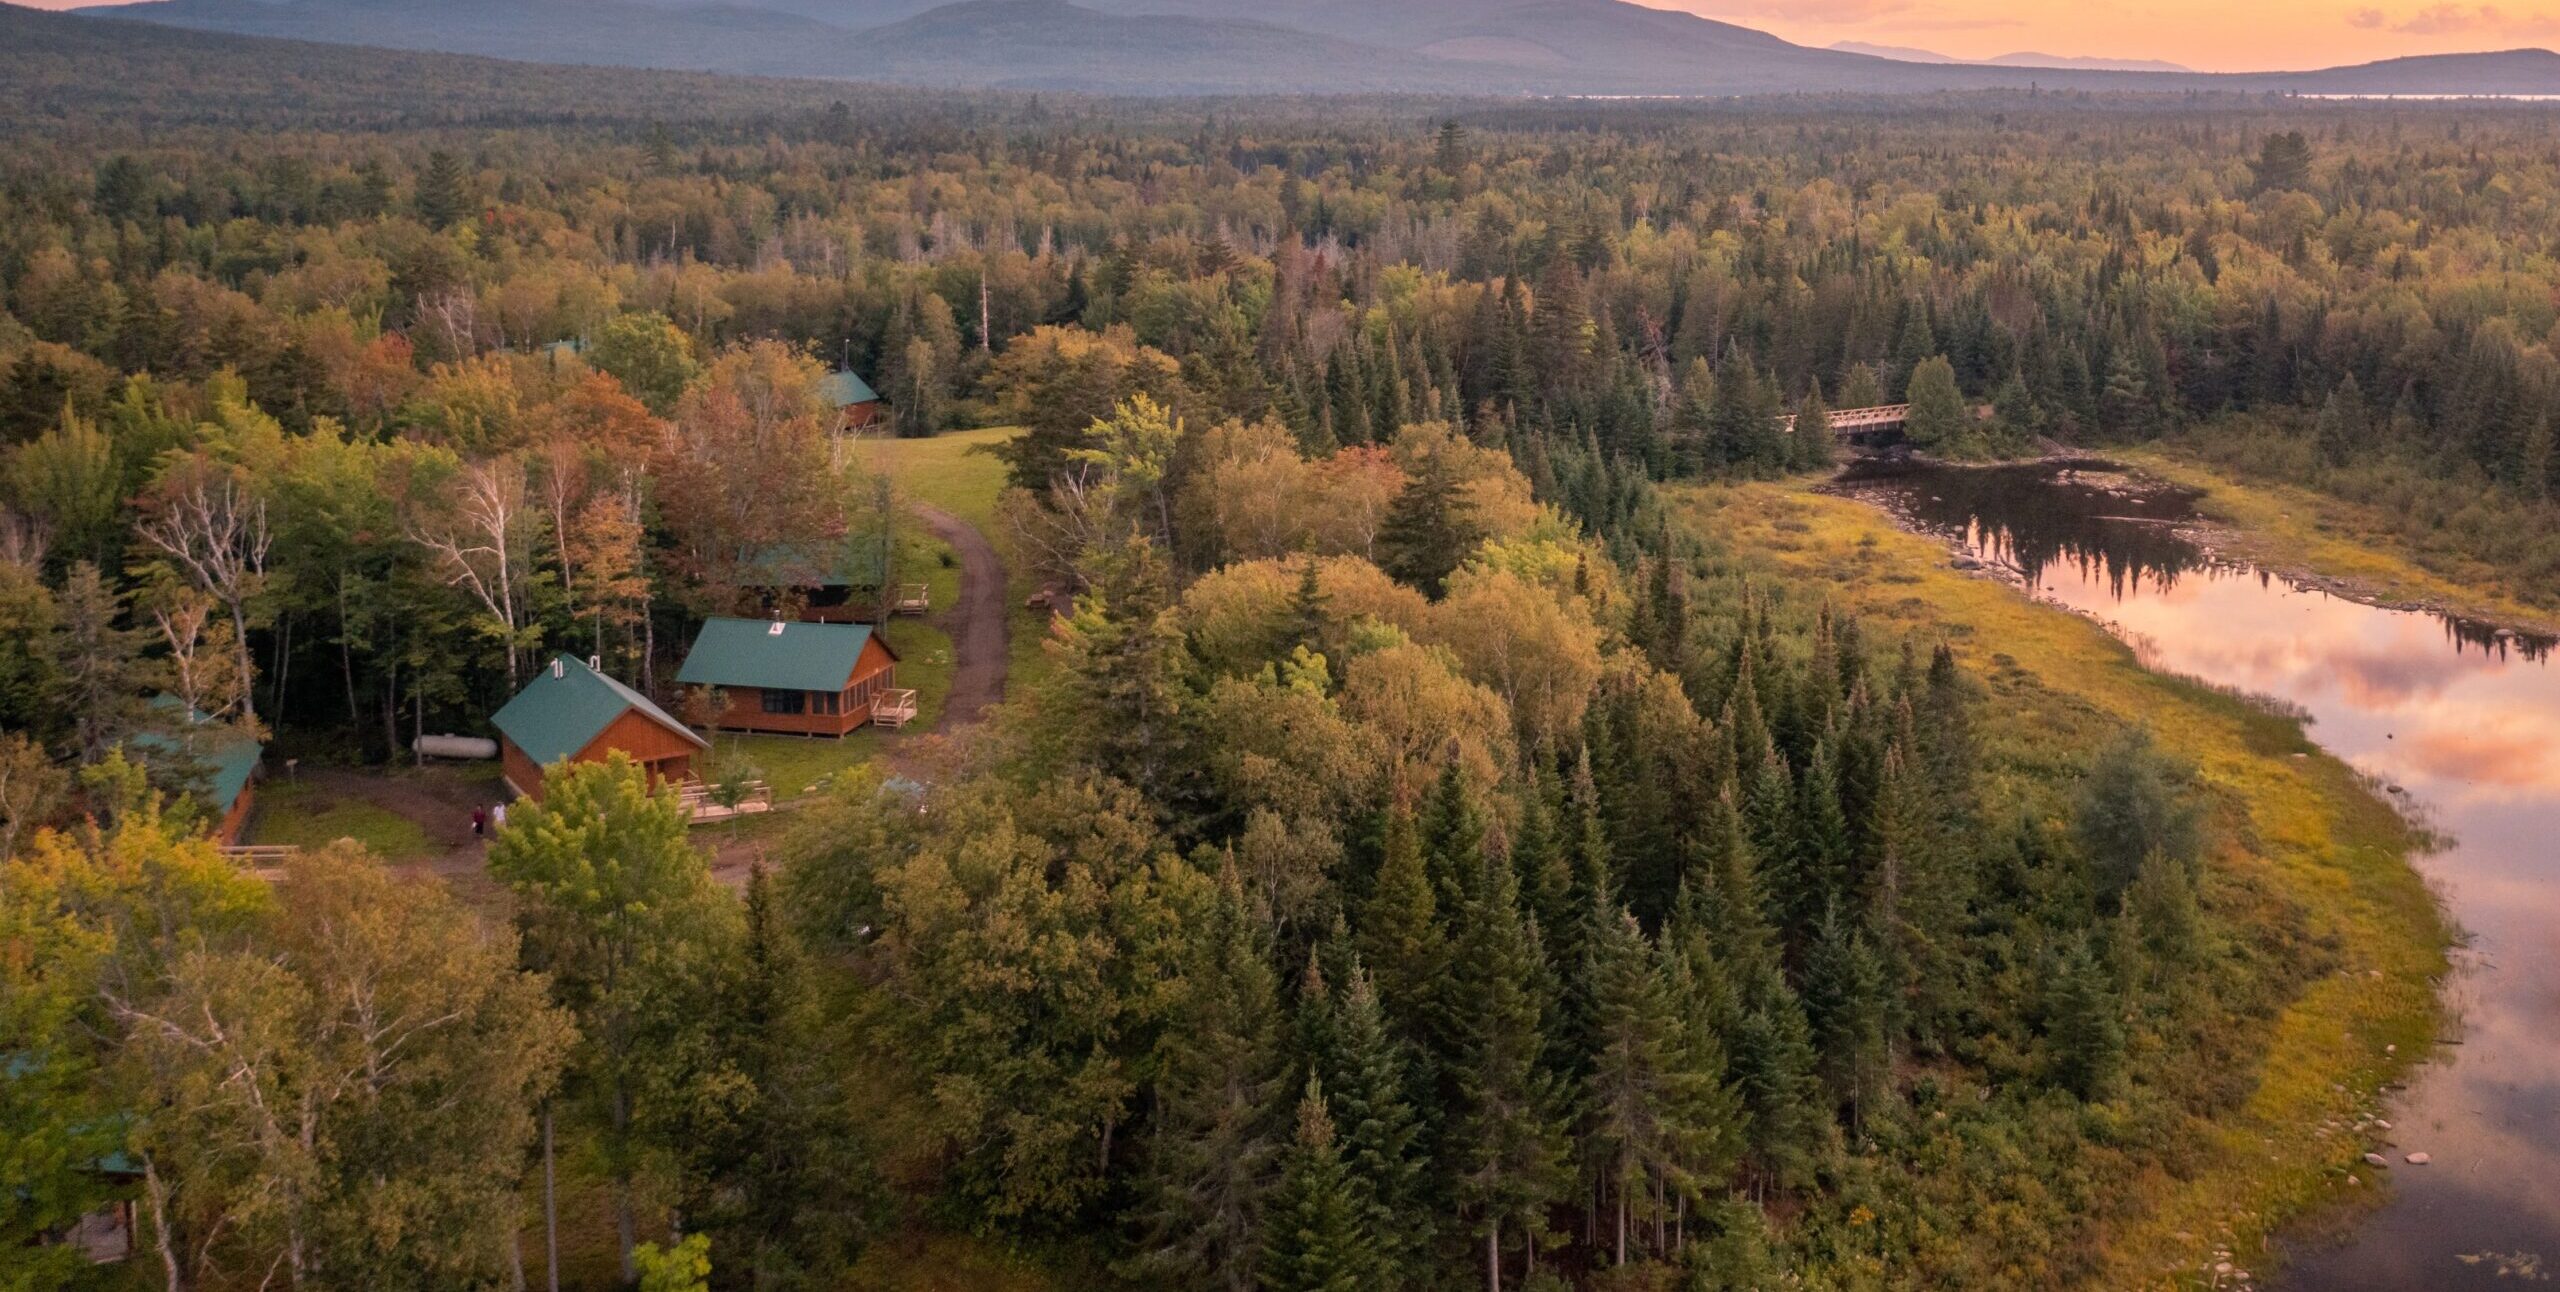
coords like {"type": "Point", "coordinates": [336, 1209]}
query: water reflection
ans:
{"type": "Point", "coordinates": [2458, 717]}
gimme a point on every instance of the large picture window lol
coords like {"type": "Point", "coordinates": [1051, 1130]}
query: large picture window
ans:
{"type": "Point", "coordinates": [786, 701]}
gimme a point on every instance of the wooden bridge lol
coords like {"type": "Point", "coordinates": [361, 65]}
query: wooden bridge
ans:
{"type": "Point", "coordinates": [1871, 425]}
{"type": "Point", "coordinates": [1860, 425]}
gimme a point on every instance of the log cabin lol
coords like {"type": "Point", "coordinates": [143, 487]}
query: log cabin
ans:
{"type": "Point", "coordinates": [808, 679]}
{"type": "Point", "coordinates": [572, 712]}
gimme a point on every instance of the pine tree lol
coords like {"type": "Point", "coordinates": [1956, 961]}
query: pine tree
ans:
{"type": "Point", "coordinates": [2084, 1024]}
{"type": "Point", "coordinates": [98, 670]}
{"type": "Point", "coordinates": [1307, 613]}
{"type": "Point", "coordinates": [1844, 1001]}
{"type": "Point", "coordinates": [1656, 1115]}
{"type": "Point", "coordinates": [1810, 444]}
{"type": "Point", "coordinates": [1381, 1132]}
{"type": "Point", "coordinates": [1401, 937]}
{"type": "Point", "coordinates": [441, 199]}
{"type": "Point", "coordinates": [2340, 430]}
{"type": "Point", "coordinates": [1453, 837]}
{"type": "Point", "coordinates": [1428, 531]}
{"type": "Point", "coordinates": [1211, 1157]}
{"type": "Point", "coordinates": [1318, 1235]}
{"type": "Point", "coordinates": [1505, 1145]}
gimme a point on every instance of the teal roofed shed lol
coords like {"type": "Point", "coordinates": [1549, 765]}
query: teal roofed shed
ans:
{"type": "Point", "coordinates": [845, 388]}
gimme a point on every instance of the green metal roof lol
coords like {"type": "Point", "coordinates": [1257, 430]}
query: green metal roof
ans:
{"type": "Point", "coordinates": [229, 759]}
{"type": "Point", "coordinates": [800, 657]}
{"type": "Point", "coordinates": [567, 706]}
{"type": "Point", "coordinates": [844, 389]}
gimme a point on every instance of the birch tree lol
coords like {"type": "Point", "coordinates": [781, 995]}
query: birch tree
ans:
{"type": "Point", "coordinates": [209, 523]}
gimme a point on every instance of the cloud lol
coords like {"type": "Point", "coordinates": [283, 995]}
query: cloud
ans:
{"type": "Point", "coordinates": [2455, 19]}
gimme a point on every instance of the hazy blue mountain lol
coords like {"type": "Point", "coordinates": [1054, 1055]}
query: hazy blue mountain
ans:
{"type": "Point", "coordinates": [1913, 54]}
{"type": "Point", "coordinates": [1497, 47]}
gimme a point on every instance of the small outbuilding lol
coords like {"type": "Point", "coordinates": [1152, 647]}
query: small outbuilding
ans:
{"type": "Point", "coordinates": [810, 679]}
{"type": "Point", "coordinates": [841, 582]}
{"type": "Point", "coordinates": [857, 405]}
{"type": "Point", "coordinates": [572, 711]}
{"type": "Point", "coordinates": [222, 758]}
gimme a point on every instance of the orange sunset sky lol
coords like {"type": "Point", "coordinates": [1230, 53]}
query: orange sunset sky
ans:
{"type": "Point", "coordinates": [2211, 35]}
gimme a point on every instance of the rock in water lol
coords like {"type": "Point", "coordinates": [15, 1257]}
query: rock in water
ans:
{"type": "Point", "coordinates": [2418, 1159]}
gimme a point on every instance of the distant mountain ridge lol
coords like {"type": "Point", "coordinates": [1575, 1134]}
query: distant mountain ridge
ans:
{"type": "Point", "coordinates": [2023, 58]}
{"type": "Point", "coordinates": [1210, 47]}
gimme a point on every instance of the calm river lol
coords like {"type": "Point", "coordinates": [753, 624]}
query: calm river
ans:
{"type": "Point", "coordinates": [2462, 719]}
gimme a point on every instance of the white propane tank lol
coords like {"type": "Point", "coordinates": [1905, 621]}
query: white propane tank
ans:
{"type": "Point", "coordinates": [456, 747]}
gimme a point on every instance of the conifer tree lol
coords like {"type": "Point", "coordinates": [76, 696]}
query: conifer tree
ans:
{"type": "Point", "coordinates": [1844, 1000]}
{"type": "Point", "coordinates": [2083, 1023]}
{"type": "Point", "coordinates": [1453, 836]}
{"type": "Point", "coordinates": [1319, 1239]}
{"type": "Point", "coordinates": [1504, 1145]}
{"type": "Point", "coordinates": [441, 200]}
{"type": "Point", "coordinates": [1381, 1132]}
{"type": "Point", "coordinates": [1211, 1158]}
{"type": "Point", "coordinates": [1429, 528]}
{"type": "Point", "coordinates": [1401, 937]}
{"type": "Point", "coordinates": [1938, 416]}
{"type": "Point", "coordinates": [1810, 444]}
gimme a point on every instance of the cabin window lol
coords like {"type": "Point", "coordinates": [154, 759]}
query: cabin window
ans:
{"type": "Point", "coordinates": [825, 701]}
{"type": "Point", "coordinates": [786, 702]}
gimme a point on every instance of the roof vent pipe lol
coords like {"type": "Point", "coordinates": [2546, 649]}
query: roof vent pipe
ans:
{"type": "Point", "coordinates": [559, 668]}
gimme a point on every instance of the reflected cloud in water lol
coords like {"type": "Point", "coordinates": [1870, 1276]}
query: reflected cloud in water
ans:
{"type": "Point", "coordinates": [2463, 718]}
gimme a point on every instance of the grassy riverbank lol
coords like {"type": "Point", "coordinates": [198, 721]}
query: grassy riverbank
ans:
{"type": "Point", "coordinates": [2351, 546]}
{"type": "Point", "coordinates": [2308, 860]}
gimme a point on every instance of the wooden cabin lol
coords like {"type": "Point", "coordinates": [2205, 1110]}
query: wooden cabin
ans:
{"type": "Point", "coordinates": [222, 760]}
{"type": "Point", "coordinates": [857, 405]}
{"type": "Point", "coordinates": [571, 712]}
{"type": "Point", "coordinates": [812, 679]}
{"type": "Point", "coordinates": [840, 583]}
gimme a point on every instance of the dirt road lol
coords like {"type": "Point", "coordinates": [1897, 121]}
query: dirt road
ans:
{"type": "Point", "coordinates": [976, 624]}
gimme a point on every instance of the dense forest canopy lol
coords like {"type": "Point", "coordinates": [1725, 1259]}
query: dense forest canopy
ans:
{"type": "Point", "coordinates": [1422, 863]}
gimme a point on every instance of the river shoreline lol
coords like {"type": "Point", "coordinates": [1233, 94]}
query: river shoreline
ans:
{"type": "Point", "coordinates": [2228, 540]}
{"type": "Point", "coordinates": [2443, 717]}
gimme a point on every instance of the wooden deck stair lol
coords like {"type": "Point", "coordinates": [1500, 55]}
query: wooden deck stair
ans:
{"type": "Point", "coordinates": [893, 709]}
{"type": "Point", "coordinates": [702, 801]}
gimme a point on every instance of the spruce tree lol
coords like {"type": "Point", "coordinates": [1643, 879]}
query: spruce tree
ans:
{"type": "Point", "coordinates": [1318, 1236]}
{"type": "Point", "coordinates": [1428, 530]}
{"type": "Point", "coordinates": [1505, 1144]}
{"type": "Point", "coordinates": [441, 199]}
{"type": "Point", "coordinates": [2084, 1025]}
{"type": "Point", "coordinates": [1212, 1153]}
{"type": "Point", "coordinates": [1401, 937]}
{"type": "Point", "coordinates": [1380, 1129]}
{"type": "Point", "coordinates": [1844, 1001]}
{"type": "Point", "coordinates": [1810, 444]}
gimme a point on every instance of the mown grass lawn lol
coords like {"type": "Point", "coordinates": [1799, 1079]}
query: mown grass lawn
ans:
{"type": "Point", "coordinates": [2288, 817]}
{"type": "Point", "coordinates": [959, 473]}
{"type": "Point", "coordinates": [792, 765]}
{"type": "Point", "coordinates": [305, 816]}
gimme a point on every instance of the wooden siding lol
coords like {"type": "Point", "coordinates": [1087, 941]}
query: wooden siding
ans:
{"type": "Point", "coordinates": [228, 833]}
{"type": "Point", "coordinates": [667, 755]}
{"type": "Point", "coordinates": [875, 671]}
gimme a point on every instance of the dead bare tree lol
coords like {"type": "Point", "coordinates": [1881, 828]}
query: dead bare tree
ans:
{"type": "Point", "coordinates": [212, 526]}
{"type": "Point", "coordinates": [479, 536]}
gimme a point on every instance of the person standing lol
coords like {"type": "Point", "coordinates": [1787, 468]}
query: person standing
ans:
{"type": "Point", "coordinates": [479, 822]}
